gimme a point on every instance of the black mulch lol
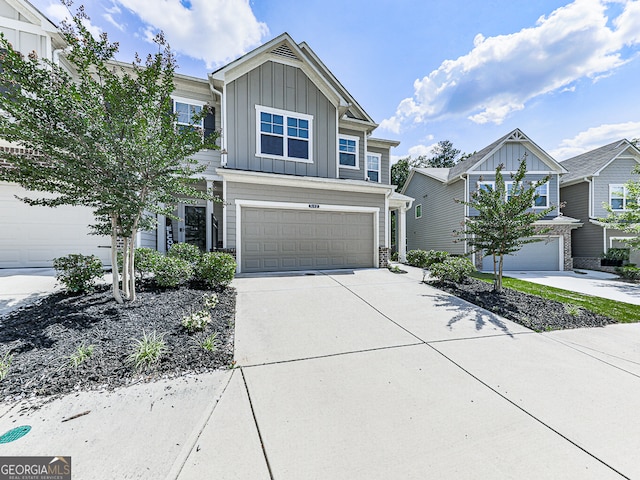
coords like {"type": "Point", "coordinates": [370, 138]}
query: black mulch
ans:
{"type": "Point", "coordinates": [42, 337]}
{"type": "Point", "coordinates": [533, 312]}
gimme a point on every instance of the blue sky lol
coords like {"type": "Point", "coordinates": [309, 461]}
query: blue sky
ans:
{"type": "Point", "coordinates": [566, 73]}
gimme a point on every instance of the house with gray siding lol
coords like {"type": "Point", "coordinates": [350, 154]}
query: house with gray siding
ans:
{"type": "Point", "coordinates": [301, 182]}
{"type": "Point", "coordinates": [596, 179]}
{"type": "Point", "coordinates": [435, 214]}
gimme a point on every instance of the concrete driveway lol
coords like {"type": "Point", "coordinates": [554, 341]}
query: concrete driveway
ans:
{"type": "Point", "coordinates": [589, 282]}
{"type": "Point", "coordinates": [366, 375]}
{"type": "Point", "coordinates": [22, 286]}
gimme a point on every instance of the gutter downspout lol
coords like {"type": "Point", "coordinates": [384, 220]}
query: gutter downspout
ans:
{"type": "Point", "coordinates": [223, 114]}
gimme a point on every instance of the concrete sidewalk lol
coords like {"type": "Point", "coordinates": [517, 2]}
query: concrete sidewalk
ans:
{"type": "Point", "coordinates": [22, 286]}
{"type": "Point", "coordinates": [588, 282]}
{"type": "Point", "coordinates": [366, 375]}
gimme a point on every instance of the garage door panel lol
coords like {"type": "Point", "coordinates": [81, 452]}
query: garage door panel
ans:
{"type": "Point", "coordinates": [537, 256]}
{"type": "Point", "coordinates": [273, 239]}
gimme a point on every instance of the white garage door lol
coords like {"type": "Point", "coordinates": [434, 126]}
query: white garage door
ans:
{"type": "Point", "coordinates": [34, 236]}
{"type": "Point", "coordinates": [540, 256]}
{"type": "Point", "coordinates": [280, 240]}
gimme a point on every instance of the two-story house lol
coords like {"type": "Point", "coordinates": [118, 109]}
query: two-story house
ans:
{"type": "Point", "coordinates": [435, 214]}
{"type": "Point", "coordinates": [595, 179]}
{"type": "Point", "coordinates": [302, 183]}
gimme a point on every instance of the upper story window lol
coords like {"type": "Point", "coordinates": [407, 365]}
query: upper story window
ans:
{"type": "Point", "coordinates": [284, 135]}
{"type": "Point", "coordinates": [490, 186]}
{"type": "Point", "coordinates": [373, 167]}
{"type": "Point", "coordinates": [619, 197]}
{"type": "Point", "coordinates": [186, 112]}
{"type": "Point", "coordinates": [542, 199]}
{"type": "Point", "coordinates": [348, 149]}
{"type": "Point", "coordinates": [419, 211]}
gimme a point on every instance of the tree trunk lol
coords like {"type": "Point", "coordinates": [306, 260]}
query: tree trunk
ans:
{"type": "Point", "coordinates": [132, 275]}
{"type": "Point", "coordinates": [125, 268]}
{"type": "Point", "coordinates": [114, 260]}
{"type": "Point", "coordinates": [498, 284]}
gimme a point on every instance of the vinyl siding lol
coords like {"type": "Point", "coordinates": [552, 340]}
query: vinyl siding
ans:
{"type": "Point", "coordinates": [271, 193]}
{"type": "Point", "coordinates": [553, 187]}
{"type": "Point", "coordinates": [618, 172]}
{"type": "Point", "coordinates": [148, 239]}
{"type": "Point", "coordinates": [350, 173]}
{"type": "Point", "coordinates": [586, 241]}
{"type": "Point", "coordinates": [287, 88]}
{"type": "Point", "coordinates": [510, 155]}
{"type": "Point", "coordinates": [441, 215]}
{"type": "Point", "coordinates": [384, 164]}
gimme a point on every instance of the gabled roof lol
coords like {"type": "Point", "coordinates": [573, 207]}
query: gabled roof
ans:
{"type": "Point", "coordinates": [284, 49]}
{"type": "Point", "coordinates": [478, 158]}
{"type": "Point", "coordinates": [592, 162]}
{"type": "Point", "coordinates": [440, 174]}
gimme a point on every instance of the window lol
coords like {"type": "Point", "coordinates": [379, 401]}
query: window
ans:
{"type": "Point", "coordinates": [186, 113]}
{"type": "Point", "coordinates": [373, 167]}
{"type": "Point", "coordinates": [419, 211]}
{"type": "Point", "coordinates": [283, 135]}
{"type": "Point", "coordinates": [619, 197]}
{"type": "Point", "coordinates": [512, 188]}
{"type": "Point", "coordinates": [348, 149]}
{"type": "Point", "coordinates": [490, 186]}
{"type": "Point", "coordinates": [542, 199]}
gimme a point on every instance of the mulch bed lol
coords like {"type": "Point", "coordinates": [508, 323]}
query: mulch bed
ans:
{"type": "Point", "coordinates": [531, 311]}
{"type": "Point", "coordinates": [42, 337]}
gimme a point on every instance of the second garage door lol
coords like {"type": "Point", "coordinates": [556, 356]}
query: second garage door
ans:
{"type": "Point", "coordinates": [279, 240]}
{"type": "Point", "coordinates": [537, 256]}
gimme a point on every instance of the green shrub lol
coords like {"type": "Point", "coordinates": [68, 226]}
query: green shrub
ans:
{"type": "Point", "coordinates": [5, 365]}
{"type": "Point", "coordinates": [452, 269]}
{"type": "Point", "coordinates": [172, 271]}
{"type": "Point", "coordinates": [417, 258]}
{"type": "Point", "coordinates": [210, 343]}
{"type": "Point", "coordinates": [197, 321]}
{"type": "Point", "coordinates": [78, 273]}
{"type": "Point", "coordinates": [630, 272]}
{"type": "Point", "coordinates": [185, 251]}
{"type": "Point", "coordinates": [617, 254]}
{"type": "Point", "coordinates": [145, 260]}
{"type": "Point", "coordinates": [147, 350]}
{"type": "Point", "coordinates": [434, 256]}
{"type": "Point", "coordinates": [216, 268]}
{"type": "Point", "coordinates": [395, 257]}
{"type": "Point", "coordinates": [81, 355]}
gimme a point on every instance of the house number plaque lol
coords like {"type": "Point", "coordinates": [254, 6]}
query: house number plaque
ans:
{"type": "Point", "coordinates": [314, 205]}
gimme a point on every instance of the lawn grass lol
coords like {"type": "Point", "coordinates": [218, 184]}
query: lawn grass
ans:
{"type": "Point", "coordinates": [619, 311]}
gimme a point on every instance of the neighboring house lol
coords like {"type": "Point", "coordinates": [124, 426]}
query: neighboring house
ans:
{"type": "Point", "coordinates": [435, 214]}
{"type": "Point", "coordinates": [302, 183]}
{"type": "Point", "coordinates": [33, 236]}
{"type": "Point", "coordinates": [595, 179]}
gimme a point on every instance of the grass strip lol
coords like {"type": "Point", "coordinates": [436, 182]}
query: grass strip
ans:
{"type": "Point", "coordinates": [619, 311]}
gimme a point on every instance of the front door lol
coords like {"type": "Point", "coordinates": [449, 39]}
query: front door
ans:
{"type": "Point", "coordinates": [195, 226]}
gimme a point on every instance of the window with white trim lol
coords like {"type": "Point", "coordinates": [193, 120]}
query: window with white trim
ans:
{"type": "Point", "coordinates": [185, 114]}
{"type": "Point", "coordinates": [348, 151]}
{"type": "Point", "coordinates": [489, 186]}
{"type": "Point", "coordinates": [619, 197]}
{"type": "Point", "coordinates": [542, 199]}
{"type": "Point", "coordinates": [373, 167]}
{"type": "Point", "coordinates": [510, 188]}
{"type": "Point", "coordinates": [419, 210]}
{"type": "Point", "coordinates": [284, 135]}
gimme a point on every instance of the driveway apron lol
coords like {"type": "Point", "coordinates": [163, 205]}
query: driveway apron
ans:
{"type": "Point", "coordinates": [368, 374]}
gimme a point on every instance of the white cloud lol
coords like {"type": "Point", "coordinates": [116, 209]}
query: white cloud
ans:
{"type": "Point", "coordinates": [59, 13]}
{"type": "Point", "coordinates": [501, 74]}
{"type": "Point", "coordinates": [418, 150]}
{"type": "Point", "coordinates": [215, 31]}
{"type": "Point", "coordinates": [595, 137]}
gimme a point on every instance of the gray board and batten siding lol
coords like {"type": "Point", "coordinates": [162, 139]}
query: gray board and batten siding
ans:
{"type": "Point", "coordinates": [287, 88]}
{"type": "Point", "coordinates": [510, 155]}
{"type": "Point", "coordinates": [304, 196]}
{"type": "Point", "coordinates": [441, 215]}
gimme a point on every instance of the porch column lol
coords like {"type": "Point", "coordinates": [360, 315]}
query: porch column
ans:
{"type": "Point", "coordinates": [401, 225]}
{"type": "Point", "coordinates": [209, 220]}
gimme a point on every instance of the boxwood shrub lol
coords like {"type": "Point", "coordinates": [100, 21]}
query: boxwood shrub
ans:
{"type": "Point", "coordinates": [216, 269]}
{"type": "Point", "coordinates": [171, 271]}
{"type": "Point", "coordinates": [78, 273]}
{"type": "Point", "coordinates": [185, 251]}
{"type": "Point", "coordinates": [452, 269]}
